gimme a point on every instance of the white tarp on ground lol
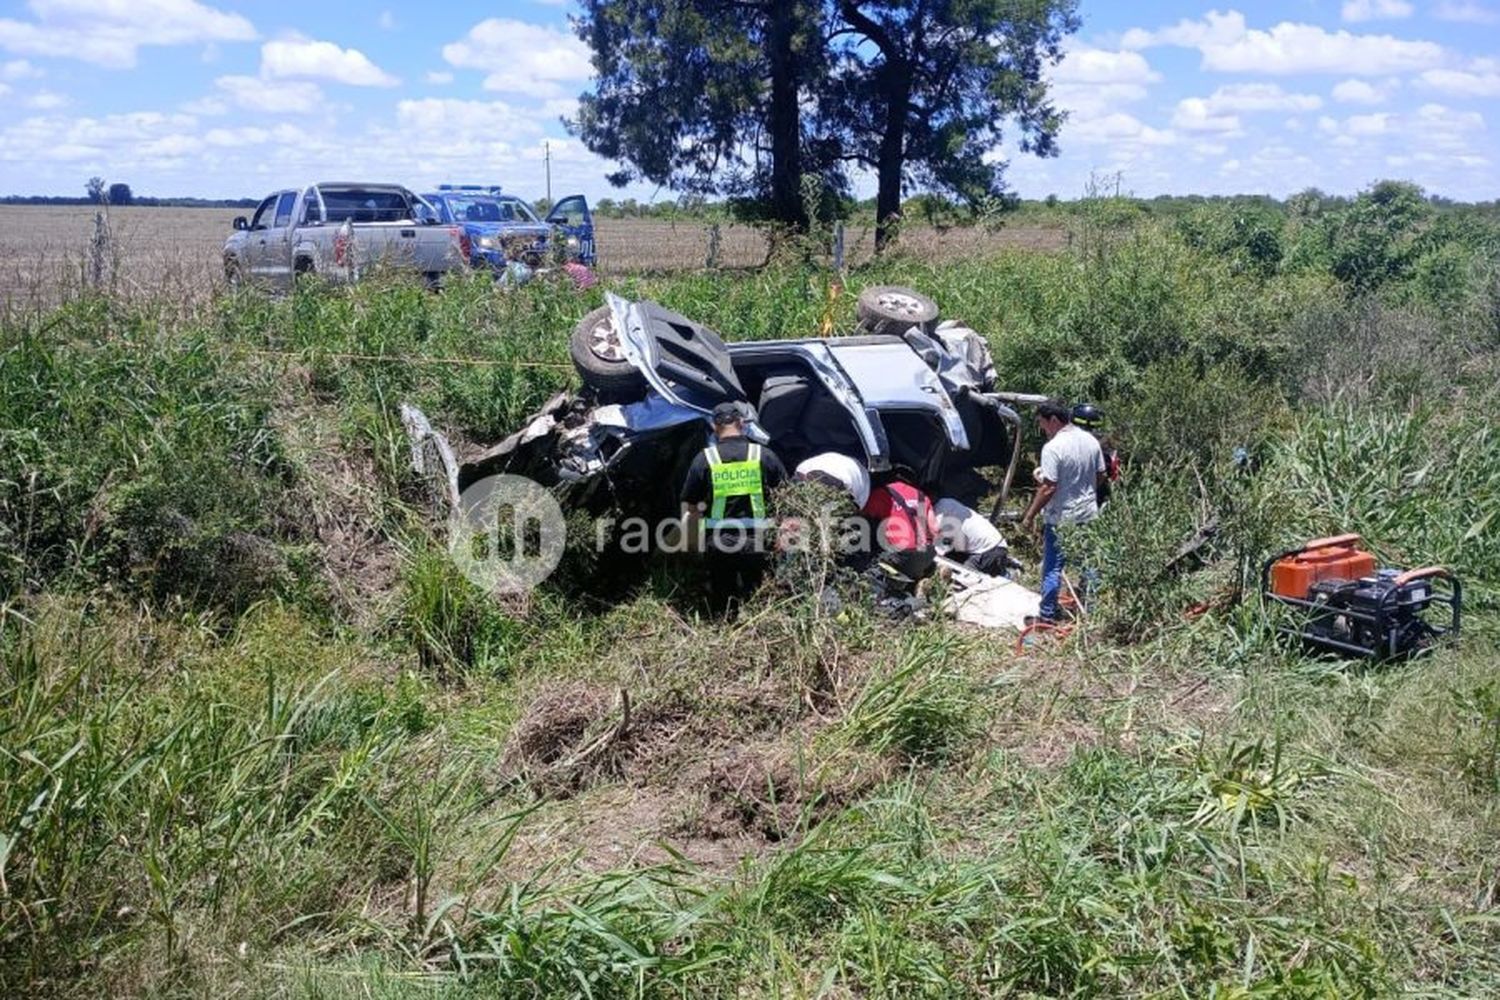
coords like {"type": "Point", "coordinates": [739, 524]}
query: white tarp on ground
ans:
{"type": "Point", "coordinates": [988, 601]}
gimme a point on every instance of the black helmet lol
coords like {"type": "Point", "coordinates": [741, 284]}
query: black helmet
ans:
{"type": "Point", "coordinates": [1088, 416]}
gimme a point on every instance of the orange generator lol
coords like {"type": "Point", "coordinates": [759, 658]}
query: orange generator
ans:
{"type": "Point", "coordinates": [1343, 604]}
{"type": "Point", "coordinates": [1336, 558]}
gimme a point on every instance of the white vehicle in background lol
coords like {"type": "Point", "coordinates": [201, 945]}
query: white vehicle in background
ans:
{"type": "Point", "coordinates": [340, 231]}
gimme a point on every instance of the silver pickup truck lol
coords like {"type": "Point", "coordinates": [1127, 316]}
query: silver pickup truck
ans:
{"type": "Point", "coordinates": [340, 231]}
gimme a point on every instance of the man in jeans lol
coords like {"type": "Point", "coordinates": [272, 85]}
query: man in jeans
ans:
{"type": "Point", "coordinates": [1071, 470]}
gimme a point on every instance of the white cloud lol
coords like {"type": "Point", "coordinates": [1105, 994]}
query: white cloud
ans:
{"type": "Point", "coordinates": [208, 107]}
{"type": "Point", "coordinates": [469, 118]}
{"type": "Point", "coordinates": [1195, 115]}
{"type": "Point", "coordinates": [521, 58]}
{"type": "Point", "coordinates": [560, 107]}
{"type": "Point", "coordinates": [1229, 45]}
{"type": "Point", "coordinates": [170, 146]}
{"type": "Point", "coordinates": [1089, 65]}
{"type": "Point", "coordinates": [110, 32]}
{"type": "Point", "coordinates": [46, 100]}
{"type": "Point", "coordinates": [1092, 83]}
{"type": "Point", "coordinates": [1359, 92]}
{"type": "Point", "coordinates": [1460, 83]}
{"type": "Point", "coordinates": [1260, 97]}
{"type": "Point", "coordinates": [304, 57]}
{"type": "Point", "coordinates": [4, 89]}
{"type": "Point", "coordinates": [439, 76]}
{"type": "Point", "coordinates": [1377, 123]}
{"type": "Point", "coordinates": [1355, 11]}
{"type": "Point", "coordinates": [1445, 119]}
{"type": "Point", "coordinates": [1466, 12]}
{"type": "Point", "coordinates": [272, 97]}
{"type": "Point", "coordinates": [110, 141]}
{"type": "Point", "coordinates": [1445, 133]}
{"type": "Point", "coordinates": [386, 21]}
{"type": "Point", "coordinates": [18, 69]}
{"type": "Point", "coordinates": [1117, 128]}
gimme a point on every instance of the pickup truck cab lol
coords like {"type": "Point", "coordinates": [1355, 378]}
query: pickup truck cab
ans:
{"type": "Point", "coordinates": [340, 231]}
{"type": "Point", "coordinates": [503, 227]}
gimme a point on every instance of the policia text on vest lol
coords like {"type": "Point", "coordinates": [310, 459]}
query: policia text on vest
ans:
{"type": "Point", "coordinates": [729, 480]}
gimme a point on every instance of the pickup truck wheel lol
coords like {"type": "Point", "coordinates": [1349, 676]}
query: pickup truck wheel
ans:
{"type": "Point", "coordinates": [894, 309]}
{"type": "Point", "coordinates": [599, 355]}
{"type": "Point", "coordinates": [232, 276]}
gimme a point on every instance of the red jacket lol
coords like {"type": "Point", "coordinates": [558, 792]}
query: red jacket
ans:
{"type": "Point", "coordinates": [907, 520]}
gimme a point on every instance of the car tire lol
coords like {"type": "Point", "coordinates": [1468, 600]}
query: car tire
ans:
{"type": "Point", "coordinates": [232, 276]}
{"type": "Point", "coordinates": [599, 355]}
{"type": "Point", "coordinates": [893, 309]}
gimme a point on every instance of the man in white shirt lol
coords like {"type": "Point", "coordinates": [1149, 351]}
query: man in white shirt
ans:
{"type": "Point", "coordinates": [1072, 468]}
{"type": "Point", "coordinates": [967, 536]}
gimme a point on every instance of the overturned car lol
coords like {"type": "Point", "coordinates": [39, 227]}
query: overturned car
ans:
{"type": "Point", "coordinates": [907, 396]}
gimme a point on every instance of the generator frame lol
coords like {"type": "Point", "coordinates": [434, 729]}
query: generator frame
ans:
{"type": "Point", "coordinates": [1382, 621]}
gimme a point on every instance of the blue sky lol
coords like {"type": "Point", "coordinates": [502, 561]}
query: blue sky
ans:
{"type": "Point", "coordinates": [236, 97]}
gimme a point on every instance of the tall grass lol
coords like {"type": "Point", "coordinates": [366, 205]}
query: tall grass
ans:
{"type": "Point", "coordinates": [223, 772]}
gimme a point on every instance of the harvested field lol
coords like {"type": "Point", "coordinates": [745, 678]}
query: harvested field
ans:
{"type": "Point", "coordinates": [174, 252]}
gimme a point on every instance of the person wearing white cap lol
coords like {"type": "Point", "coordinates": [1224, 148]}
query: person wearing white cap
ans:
{"type": "Point", "coordinates": [840, 471]}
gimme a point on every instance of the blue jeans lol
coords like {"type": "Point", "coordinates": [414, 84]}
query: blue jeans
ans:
{"type": "Point", "coordinates": [1052, 572]}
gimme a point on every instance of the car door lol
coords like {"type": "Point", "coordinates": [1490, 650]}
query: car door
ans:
{"type": "Point", "coordinates": [276, 243]}
{"type": "Point", "coordinates": [255, 238]}
{"type": "Point", "coordinates": [687, 363]}
{"type": "Point", "coordinates": [575, 222]}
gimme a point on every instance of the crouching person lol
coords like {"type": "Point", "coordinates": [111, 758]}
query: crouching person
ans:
{"type": "Point", "coordinates": [725, 493]}
{"type": "Point", "coordinates": [969, 538]}
{"type": "Point", "coordinates": [906, 542]}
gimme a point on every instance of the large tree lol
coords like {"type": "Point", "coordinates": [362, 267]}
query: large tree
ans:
{"type": "Point", "coordinates": [703, 96]}
{"type": "Point", "coordinates": [744, 97]}
{"type": "Point", "coordinates": [919, 91]}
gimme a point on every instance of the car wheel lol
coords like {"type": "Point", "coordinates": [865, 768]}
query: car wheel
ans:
{"type": "Point", "coordinates": [599, 355]}
{"type": "Point", "coordinates": [894, 309]}
{"type": "Point", "coordinates": [232, 276]}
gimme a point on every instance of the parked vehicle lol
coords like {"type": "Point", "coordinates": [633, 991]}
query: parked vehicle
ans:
{"type": "Point", "coordinates": [504, 229]}
{"type": "Point", "coordinates": [339, 231]}
{"type": "Point", "coordinates": [920, 403]}
{"type": "Point", "coordinates": [501, 228]}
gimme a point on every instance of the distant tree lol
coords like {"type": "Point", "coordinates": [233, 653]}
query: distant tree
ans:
{"type": "Point", "coordinates": [542, 206]}
{"type": "Point", "coordinates": [704, 96]}
{"type": "Point", "coordinates": [745, 97]}
{"type": "Point", "coordinates": [919, 91]}
{"type": "Point", "coordinates": [97, 190]}
{"type": "Point", "coordinates": [119, 194]}
{"type": "Point", "coordinates": [1375, 240]}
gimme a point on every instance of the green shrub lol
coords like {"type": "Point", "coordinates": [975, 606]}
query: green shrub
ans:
{"type": "Point", "coordinates": [923, 709]}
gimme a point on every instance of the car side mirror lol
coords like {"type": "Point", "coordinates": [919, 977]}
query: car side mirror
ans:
{"type": "Point", "coordinates": [241, 223]}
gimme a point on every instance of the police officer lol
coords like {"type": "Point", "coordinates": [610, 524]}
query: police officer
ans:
{"type": "Point", "coordinates": [727, 484]}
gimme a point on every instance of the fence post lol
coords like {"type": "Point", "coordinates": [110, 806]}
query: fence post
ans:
{"type": "Point", "coordinates": [713, 246]}
{"type": "Point", "coordinates": [98, 249]}
{"type": "Point", "coordinates": [838, 247]}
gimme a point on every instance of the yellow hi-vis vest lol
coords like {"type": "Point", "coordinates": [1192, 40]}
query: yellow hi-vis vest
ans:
{"type": "Point", "coordinates": [735, 479]}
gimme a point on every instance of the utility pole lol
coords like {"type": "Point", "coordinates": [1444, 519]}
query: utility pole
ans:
{"type": "Point", "coordinates": [547, 158]}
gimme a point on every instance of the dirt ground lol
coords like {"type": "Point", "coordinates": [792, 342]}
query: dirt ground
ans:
{"type": "Point", "coordinates": [174, 252]}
